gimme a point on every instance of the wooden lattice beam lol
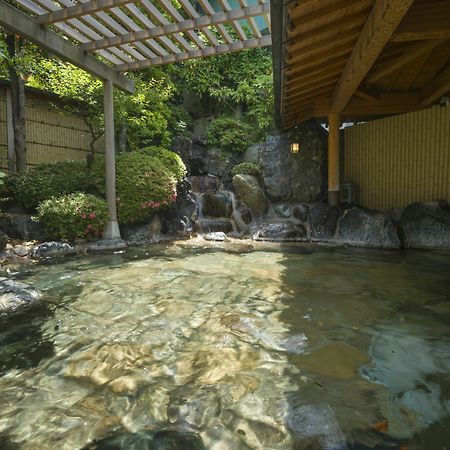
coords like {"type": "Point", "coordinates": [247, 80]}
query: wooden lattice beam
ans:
{"type": "Point", "coordinates": [172, 28]}
{"type": "Point", "coordinates": [378, 29]}
{"type": "Point", "coordinates": [81, 9]}
{"type": "Point", "coordinates": [14, 20]}
{"type": "Point", "coordinates": [200, 53]}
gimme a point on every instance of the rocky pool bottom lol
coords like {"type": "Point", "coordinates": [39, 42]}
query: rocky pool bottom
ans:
{"type": "Point", "coordinates": [224, 347]}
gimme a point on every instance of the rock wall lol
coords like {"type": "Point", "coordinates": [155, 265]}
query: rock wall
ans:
{"type": "Point", "coordinates": [297, 177]}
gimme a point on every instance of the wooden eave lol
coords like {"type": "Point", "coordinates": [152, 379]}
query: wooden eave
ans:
{"type": "Point", "coordinates": [360, 59]}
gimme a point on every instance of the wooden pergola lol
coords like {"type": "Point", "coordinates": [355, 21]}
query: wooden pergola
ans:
{"type": "Point", "coordinates": [343, 60]}
{"type": "Point", "coordinates": [108, 37]}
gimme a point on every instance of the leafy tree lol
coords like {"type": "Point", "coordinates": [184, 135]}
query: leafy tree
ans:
{"type": "Point", "coordinates": [233, 79]}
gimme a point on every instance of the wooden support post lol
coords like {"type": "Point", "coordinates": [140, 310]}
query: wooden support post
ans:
{"type": "Point", "coordinates": [333, 159]}
{"type": "Point", "coordinates": [112, 231]}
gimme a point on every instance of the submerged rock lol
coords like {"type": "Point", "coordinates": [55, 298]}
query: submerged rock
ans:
{"type": "Point", "coordinates": [281, 231]}
{"type": "Point", "coordinates": [335, 360]}
{"type": "Point", "coordinates": [251, 194]}
{"type": "Point", "coordinates": [406, 364]}
{"type": "Point", "coordinates": [426, 225]}
{"type": "Point", "coordinates": [15, 295]}
{"type": "Point", "coordinates": [147, 440]}
{"type": "Point", "coordinates": [318, 423]}
{"type": "Point", "coordinates": [367, 228]}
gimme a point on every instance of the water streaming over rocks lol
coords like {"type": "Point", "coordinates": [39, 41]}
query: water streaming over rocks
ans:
{"type": "Point", "coordinates": [218, 347]}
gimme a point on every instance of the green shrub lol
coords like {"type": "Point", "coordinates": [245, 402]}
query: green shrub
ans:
{"type": "Point", "coordinates": [229, 135]}
{"type": "Point", "coordinates": [44, 181]}
{"type": "Point", "coordinates": [73, 215]}
{"type": "Point", "coordinates": [169, 159]}
{"type": "Point", "coordinates": [143, 184]}
{"type": "Point", "coordinates": [246, 169]}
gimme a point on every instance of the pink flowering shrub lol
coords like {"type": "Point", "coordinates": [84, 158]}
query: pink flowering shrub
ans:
{"type": "Point", "coordinates": [143, 184]}
{"type": "Point", "coordinates": [73, 215]}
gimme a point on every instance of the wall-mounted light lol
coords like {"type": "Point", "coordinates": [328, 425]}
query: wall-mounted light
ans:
{"type": "Point", "coordinates": [295, 147]}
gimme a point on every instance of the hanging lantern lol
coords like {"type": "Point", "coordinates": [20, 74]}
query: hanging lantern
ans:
{"type": "Point", "coordinates": [295, 147]}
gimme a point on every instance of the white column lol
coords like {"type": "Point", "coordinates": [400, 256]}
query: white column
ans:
{"type": "Point", "coordinates": [112, 229]}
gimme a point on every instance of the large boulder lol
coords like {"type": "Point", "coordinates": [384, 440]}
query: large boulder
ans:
{"type": "Point", "coordinates": [179, 217]}
{"type": "Point", "coordinates": [15, 295]}
{"type": "Point", "coordinates": [143, 234]}
{"type": "Point", "coordinates": [219, 204]}
{"type": "Point", "coordinates": [3, 240]}
{"type": "Point", "coordinates": [297, 177]}
{"type": "Point", "coordinates": [21, 226]}
{"type": "Point", "coordinates": [251, 194]}
{"type": "Point", "coordinates": [204, 183]}
{"type": "Point", "coordinates": [323, 221]}
{"type": "Point", "coordinates": [53, 249]}
{"type": "Point", "coordinates": [367, 228]}
{"type": "Point", "coordinates": [193, 152]}
{"type": "Point", "coordinates": [280, 231]}
{"type": "Point", "coordinates": [426, 225]}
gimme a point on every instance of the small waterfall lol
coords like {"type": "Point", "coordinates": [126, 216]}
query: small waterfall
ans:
{"type": "Point", "coordinates": [216, 206]}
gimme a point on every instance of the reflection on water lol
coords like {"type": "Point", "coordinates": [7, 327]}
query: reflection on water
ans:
{"type": "Point", "coordinates": [281, 348]}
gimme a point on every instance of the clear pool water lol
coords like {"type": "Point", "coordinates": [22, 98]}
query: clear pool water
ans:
{"type": "Point", "coordinates": [277, 347]}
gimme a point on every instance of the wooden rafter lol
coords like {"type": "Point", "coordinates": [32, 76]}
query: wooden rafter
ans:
{"type": "Point", "coordinates": [436, 89]}
{"type": "Point", "coordinates": [345, 10]}
{"type": "Point", "coordinates": [378, 29]}
{"type": "Point", "coordinates": [410, 53]}
{"type": "Point", "coordinates": [326, 32]}
{"type": "Point", "coordinates": [200, 53]}
{"type": "Point", "coordinates": [172, 28]}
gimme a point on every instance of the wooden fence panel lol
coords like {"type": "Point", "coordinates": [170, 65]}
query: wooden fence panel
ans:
{"type": "Point", "coordinates": [52, 135]}
{"type": "Point", "coordinates": [401, 159]}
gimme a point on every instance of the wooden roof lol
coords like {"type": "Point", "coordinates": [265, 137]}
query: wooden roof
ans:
{"type": "Point", "coordinates": [134, 34]}
{"type": "Point", "coordinates": [360, 58]}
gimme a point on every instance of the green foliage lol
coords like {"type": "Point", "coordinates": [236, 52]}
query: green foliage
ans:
{"type": "Point", "coordinates": [2, 178]}
{"type": "Point", "coordinates": [169, 159]}
{"type": "Point", "coordinates": [39, 183]}
{"type": "Point", "coordinates": [230, 135]}
{"type": "Point", "coordinates": [73, 215]}
{"type": "Point", "coordinates": [73, 84]}
{"type": "Point", "coordinates": [143, 184]}
{"type": "Point", "coordinates": [25, 60]}
{"type": "Point", "coordinates": [232, 79]}
{"type": "Point", "coordinates": [246, 169]}
{"type": "Point", "coordinates": [146, 114]}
